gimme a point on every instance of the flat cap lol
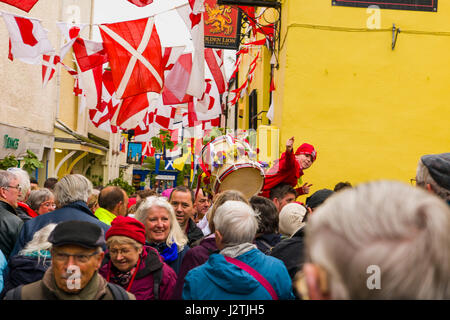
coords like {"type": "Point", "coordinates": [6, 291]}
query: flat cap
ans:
{"type": "Point", "coordinates": [81, 233]}
{"type": "Point", "coordinates": [439, 167]}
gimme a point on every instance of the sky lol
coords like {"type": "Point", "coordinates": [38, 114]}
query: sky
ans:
{"type": "Point", "coordinates": [171, 28]}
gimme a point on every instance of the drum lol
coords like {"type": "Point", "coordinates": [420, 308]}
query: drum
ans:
{"type": "Point", "coordinates": [228, 161]}
{"type": "Point", "coordinates": [247, 178]}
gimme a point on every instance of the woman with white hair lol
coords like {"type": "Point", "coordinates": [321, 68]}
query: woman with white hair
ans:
{"type": "Point", "coordinates": [380, 240]}
{"type": "Point", "coordinates": [32, 261]}
{"type": "Point", "coordinates": [240, 271]}
{"type": "Point", "coordinates": [162, 230]}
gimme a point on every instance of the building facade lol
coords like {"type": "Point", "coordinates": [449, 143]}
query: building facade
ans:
{"type": "Point", "coordinates": [371, 99]}
{"type": "Point", "coordinates": [48, 120]}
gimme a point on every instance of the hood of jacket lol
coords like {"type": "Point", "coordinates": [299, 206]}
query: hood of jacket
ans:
{"type": "Point", "coordinates": [231, 278]}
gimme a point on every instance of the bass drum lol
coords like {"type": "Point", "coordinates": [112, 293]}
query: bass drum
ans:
{"type": "Point", "coordinates": [247, 178]}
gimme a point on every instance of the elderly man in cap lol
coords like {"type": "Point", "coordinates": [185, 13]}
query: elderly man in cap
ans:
{"type": "Point", "coordinates": [289, 168]}
{"type": "Point", "coordinates": [433, 174]}
{"type": "Point", "coordinates": [76, 257]}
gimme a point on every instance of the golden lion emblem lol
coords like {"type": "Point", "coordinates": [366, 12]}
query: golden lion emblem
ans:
{"type": "Point", "coordinates": [219, 18]}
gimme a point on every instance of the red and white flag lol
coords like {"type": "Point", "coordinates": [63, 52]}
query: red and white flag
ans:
{"type": "Point", "coordinates": [89, 88]}
{"type": "Point", "coordinates": [141, 3]}
{"type": "Point", "coordinates": [89, 54]}
{"type": "Point", "coordinates": [28, 39]}
{"type": "Point", "coordinates": [177, 81]}
{"type": "Point", "coordinates": [70, 33]}
{"type": "Point", "coordinates": [193, 18]}
{"type": "Point", "coordinates": [214, 60]}
{"type": "Point", "coordinates": [135, 56]}
{"type": "Point", "coordinates": [101, 116]}
{"type": "Point", "coordinates": [48, 67]}
{"type": "Point", "coordinates": [132, 111]}
{"type": "Point", "coordinates": [24, 5]}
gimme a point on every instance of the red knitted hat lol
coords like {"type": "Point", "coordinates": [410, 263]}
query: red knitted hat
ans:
{"type": "Point", "coordinates": [127, 227]}
{"type": "Point", "coordinates": [307, 149]}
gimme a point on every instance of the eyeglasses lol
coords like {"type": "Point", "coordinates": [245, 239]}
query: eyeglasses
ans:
{"type": "Point", "coordinates": [123, 252]}
{"type": "Point", "coordinates": [48, 204]}
{"type": "Point", "coordinates": [18, 187]}
{"type": "Point", "coordinates": [81, 258]}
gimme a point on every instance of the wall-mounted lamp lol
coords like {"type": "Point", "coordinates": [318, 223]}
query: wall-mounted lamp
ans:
{"type": "Point", "coordinates": [58, 150]}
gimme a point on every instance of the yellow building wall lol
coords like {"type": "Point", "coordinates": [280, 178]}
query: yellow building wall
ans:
{"type": "Point", "coordinates": [371, 112]}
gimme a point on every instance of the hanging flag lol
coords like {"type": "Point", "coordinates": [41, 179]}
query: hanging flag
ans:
{"type": "Point", "coordinates": [141, 3]}
{"type": "Point", "coordinates": [24, 5]}
{"type": "Point", "coordinates": [214, 60]}
{"type": "Point", "coordinates": [177, 81]}
{"type": "Point", "coordinates": [90, 88]}
{"type": "Point", "coordinates": [89, 54]}
{"type": "Point", "coordinates": [48, 67]}
{"type": "Point", "coordinates": [28, 39]}
{"type": "Point", "coordinates": [135, 56]}
{"type": "Point", "coordinates": [102, 115]}
{"type": "Point", "coordinates": [132, 107]}
{"type": "Point", "coordinates": [193, 18]}
{"type": "Point", "coordinates": [70, 33]}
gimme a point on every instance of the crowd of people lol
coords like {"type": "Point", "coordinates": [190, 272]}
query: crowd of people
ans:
{"type": "Point", "coordinates": [375, 240]}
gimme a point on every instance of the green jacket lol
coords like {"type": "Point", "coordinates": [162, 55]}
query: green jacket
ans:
{"type": "Point", "coordinates": [105, 216]}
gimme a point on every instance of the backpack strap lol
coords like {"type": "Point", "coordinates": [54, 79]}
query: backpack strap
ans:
{"type": "Point", "coordinates": [118, 292]}
{"type": "Point", "coordinates": [157, 276]}
{"type": "Point", "coordinates": [255, 274]}
{"type": "Point", "coordinates": [14, 294]}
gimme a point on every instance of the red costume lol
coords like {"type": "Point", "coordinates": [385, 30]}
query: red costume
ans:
{"type": "Point", "coordinates": [287, 170]}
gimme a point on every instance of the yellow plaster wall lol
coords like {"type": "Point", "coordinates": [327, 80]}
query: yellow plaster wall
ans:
{"type": "Point", "coordinates": [370, 111]}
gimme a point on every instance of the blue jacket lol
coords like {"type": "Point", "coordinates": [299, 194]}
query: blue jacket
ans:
{"type": "Point", "coordinates": [77, 210]}
{"type": "Point", "coordinates": [3, 268]}
{"type": "Point", "coordinates": [219, 280]}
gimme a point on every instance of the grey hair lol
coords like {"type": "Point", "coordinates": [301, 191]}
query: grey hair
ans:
{"type": "Point", "coordinates": [176, 234]}
{"type": "Point", "coordinates": [37, 197]}
{"type": "Point", "coordinates": [39, 242]}
{"type": "Point", "coordinates": [423, 178]}
{"type": "Point", "coordinates": [24, 181]}
{"type": "Point", "coordinates": [5, 178]}
{"type": "Point", "coordinates": [71, 188]}
{"type": "Point", "coordinates": [399, 229]}
{"type": "Point", "coordinates": [237, 223]}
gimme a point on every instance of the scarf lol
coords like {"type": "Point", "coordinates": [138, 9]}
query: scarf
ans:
{"type": "Point", "coordinates": [121, 278]}
{"type": "Point", "coordinates": [169, 254]}
{"type": "Point", "coordinates": [93, 290]}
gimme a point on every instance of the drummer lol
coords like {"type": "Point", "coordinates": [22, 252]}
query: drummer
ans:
{"type": "Point", "coordinates": [289, 168]}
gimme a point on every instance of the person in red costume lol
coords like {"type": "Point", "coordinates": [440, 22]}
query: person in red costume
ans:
{"type": "Point", "coordinates": [289, 168]}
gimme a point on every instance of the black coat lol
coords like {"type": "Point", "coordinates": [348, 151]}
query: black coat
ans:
{"type": "Point", "coordinates": [193, 232]}
{"type": "Point", "coordinates": [291, 252]}
{"type": "Point", "coordinates": [10, 225]}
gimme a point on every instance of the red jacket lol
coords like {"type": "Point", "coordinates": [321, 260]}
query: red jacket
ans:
{"type": "Point", "coordinates": [285, 170]}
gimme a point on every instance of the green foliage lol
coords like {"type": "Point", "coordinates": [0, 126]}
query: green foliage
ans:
{"type": "Point", "coordinates": [162, 140]}
{"type": "Point", "coordinates": [31, 162]}
{"type": "Point", "coordinates": [8, 162]}
{"type": "Point", "coordinates": [129, 189]}
{"type": "Point", "coordinates": [97, 180]}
